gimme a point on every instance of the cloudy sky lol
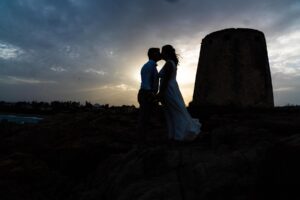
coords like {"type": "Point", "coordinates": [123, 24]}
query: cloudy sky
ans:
{"type": "Point", "coordinates": [93, 49]}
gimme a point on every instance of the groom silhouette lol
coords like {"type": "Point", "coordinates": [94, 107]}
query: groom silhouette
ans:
{"type": "Point", "coordinates": [148, 91]}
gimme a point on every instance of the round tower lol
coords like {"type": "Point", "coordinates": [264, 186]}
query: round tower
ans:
{"type": "Point", "coordinates": [233, 70]}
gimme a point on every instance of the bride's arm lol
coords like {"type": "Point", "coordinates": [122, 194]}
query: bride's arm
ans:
{"type": "Point", "coordinates": [167, 75]}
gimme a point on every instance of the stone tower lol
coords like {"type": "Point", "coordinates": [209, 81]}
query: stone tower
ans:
{"type": "Point", "coordinates": [233, 70]}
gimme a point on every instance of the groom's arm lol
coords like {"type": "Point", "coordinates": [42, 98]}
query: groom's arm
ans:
{"type": "Point", "coordinates": [155, 80]}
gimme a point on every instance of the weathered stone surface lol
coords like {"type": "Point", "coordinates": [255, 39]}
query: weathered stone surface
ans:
{"type": "Point", "coordinates": [233, 70]}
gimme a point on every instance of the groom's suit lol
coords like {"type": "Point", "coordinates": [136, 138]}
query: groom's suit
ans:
{"type": "Point", "coordinates": [146, 95]}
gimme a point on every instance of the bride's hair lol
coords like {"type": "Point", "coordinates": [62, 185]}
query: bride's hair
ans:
{"type": "Point", "coordinates": [170, 53]}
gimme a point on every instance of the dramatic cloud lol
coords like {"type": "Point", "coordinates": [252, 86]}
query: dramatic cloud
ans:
{"type": "Point", "coordinates": [8, 51]}
{"type": "Point", "coordinates": [93, 49]}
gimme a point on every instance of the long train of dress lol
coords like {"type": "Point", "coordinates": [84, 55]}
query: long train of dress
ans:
{"type": "Point", "coordinates": [181, 126]}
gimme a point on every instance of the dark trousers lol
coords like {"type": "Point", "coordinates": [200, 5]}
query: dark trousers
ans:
{"type": "Point", "coordinates": [146, 101]}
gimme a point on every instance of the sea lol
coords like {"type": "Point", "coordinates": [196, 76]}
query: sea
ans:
{"type": "Point", "coordinates": [20, 119]}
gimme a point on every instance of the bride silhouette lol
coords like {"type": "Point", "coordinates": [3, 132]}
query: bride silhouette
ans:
{"type": "Point", "coordinates": [181, 126]}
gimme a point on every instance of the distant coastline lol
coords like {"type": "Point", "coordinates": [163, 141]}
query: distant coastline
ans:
{"type": "Point", "coordinates": [19, 119]}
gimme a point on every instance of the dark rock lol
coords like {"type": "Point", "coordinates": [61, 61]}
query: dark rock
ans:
{"type": "Point", "coordinates": [22, 176]}
{"type": "Point", "coordinates": [279, 172]}
{"type": "Point", "coordinates": [89, 156]}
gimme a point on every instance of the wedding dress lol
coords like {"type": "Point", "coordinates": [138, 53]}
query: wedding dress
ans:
{"type": "Point", "coordinates": [181, 126]}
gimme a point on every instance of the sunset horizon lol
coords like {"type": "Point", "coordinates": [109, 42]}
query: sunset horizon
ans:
{"type": "Point", "coordinates": [93, 51]}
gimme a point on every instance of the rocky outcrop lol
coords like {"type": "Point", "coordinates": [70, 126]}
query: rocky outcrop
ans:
{"type": "Point", "coordinates": [97, 155]}
{"type": "Point", "coordinates": [233, 70]}
{"type": "Point", "coordinates": [279, 173]}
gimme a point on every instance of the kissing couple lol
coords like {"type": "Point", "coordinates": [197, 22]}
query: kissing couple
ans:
{"type": "Point", "coordinates": [162, 86]}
